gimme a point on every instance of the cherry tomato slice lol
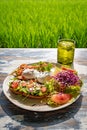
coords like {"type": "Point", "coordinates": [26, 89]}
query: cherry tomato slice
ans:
{"type": "Point", "coordinates": [60, 98]}
{"type": "Point", "coordinates": [14, 85]}
{"type": "Point", "coordinates": [43, 89]}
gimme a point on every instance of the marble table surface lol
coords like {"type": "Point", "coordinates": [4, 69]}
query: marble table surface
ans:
{"type": "Point", "coordinates": [73, 117]}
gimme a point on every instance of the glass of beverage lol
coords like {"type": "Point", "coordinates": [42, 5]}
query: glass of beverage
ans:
{"type": "Point", "coordinates": [65, 52]}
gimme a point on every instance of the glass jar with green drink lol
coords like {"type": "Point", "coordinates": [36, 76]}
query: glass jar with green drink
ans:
{"type": "Point", "coordinates": [65, 54]}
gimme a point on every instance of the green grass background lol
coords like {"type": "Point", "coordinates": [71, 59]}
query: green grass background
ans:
{"type": "Point", "coordinates": [40, 23]}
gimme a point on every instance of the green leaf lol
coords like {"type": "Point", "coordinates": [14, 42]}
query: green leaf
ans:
{"type": "Point", "coordinates": [73, 90]}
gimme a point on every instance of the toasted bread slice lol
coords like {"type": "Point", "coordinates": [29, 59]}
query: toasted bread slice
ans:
{"type": "Point", "coordinates": [26, 95]}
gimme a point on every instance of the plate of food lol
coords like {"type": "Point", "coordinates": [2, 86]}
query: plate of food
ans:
{"type": "Point", "coordinates": [42, 86]}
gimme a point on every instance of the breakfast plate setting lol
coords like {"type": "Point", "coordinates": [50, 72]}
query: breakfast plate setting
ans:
{"type": "Point", "coordinates": [42, 86]}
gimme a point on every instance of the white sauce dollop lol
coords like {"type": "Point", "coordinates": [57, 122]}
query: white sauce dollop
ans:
{"type": "Point", "coordinates": [28, 74]}
{"type": "Point", "coordinates": [40, 76]}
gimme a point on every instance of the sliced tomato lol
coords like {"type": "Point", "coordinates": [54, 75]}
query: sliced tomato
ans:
{"type": "Point", "coordinates": [43, 89]}
{"type": "Point", "coordinates": [22, 66]}
{"type": "Point", "coordinates": [23, 83]}
{"type": "Point", "coordinates": [14, 85]}
{"type": "Point", "coordinates": [60, 98]}
{"type": "Point", "coordinates": [68, 69]}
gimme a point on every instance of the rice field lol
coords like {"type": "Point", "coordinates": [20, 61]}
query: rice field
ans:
{"type": "Point", "coordinates": [40, 23]}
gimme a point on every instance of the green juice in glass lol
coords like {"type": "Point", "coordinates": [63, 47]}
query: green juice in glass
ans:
{"type": "Point", "coordinates": [65, 54]}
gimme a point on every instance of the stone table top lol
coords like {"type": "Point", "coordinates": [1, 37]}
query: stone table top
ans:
{"type": "Point", "coordinates": [73, 117]}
